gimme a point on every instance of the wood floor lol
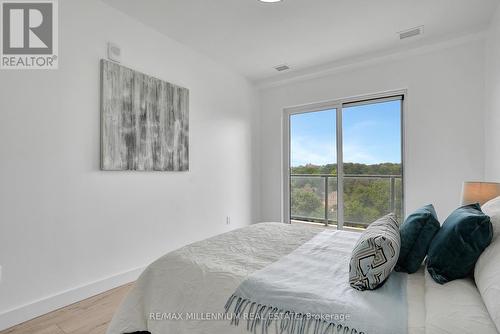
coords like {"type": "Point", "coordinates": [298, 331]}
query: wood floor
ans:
{"type": "Point", "coordinates": [90, 316]}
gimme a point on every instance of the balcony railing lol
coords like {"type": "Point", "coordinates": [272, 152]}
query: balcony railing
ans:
{"type": "Point", "coordinates": [366, 198]}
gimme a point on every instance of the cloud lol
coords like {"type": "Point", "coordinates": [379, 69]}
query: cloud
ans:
{"type": "Point", "coordinates": [363, 143]}
{"type": "Point", "coordinates": [312, 151]}
{"type": "Point", "coordinates": [317, 152]}
{"type": "Point", "coordinates": [359, 154]}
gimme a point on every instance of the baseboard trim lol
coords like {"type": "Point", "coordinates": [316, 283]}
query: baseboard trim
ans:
{"type": "Point", "coordinates": [51, 303]}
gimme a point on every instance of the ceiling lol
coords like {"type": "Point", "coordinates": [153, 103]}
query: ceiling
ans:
{"type": "Point", "coordinates": [252, 37]}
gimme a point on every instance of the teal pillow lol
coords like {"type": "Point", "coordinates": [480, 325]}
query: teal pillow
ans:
{"type": "Point", "coordinates": [417, 232]}
{"type": "Point", "coordinates": [459, 243]}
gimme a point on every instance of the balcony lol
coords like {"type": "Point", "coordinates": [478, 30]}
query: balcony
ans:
{"type": "Point", "coordinates": [366, 198]}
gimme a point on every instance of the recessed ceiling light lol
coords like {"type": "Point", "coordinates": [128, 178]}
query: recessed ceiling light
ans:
{"type": "Point", "coordinates": [270, 0]}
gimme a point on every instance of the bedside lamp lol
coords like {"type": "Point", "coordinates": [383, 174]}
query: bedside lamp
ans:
{"type": "Point", "coordinates": [479, 192]}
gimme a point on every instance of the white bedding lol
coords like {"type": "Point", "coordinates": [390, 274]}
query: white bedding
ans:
{"type": "Point", "coordinates": [455, 307]}
{"type": "Point", "coordinates": [314, 279]}
{"type": "Point", "coordinates": [199, 278]}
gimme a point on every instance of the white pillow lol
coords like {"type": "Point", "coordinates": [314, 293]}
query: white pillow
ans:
{"type": "Point", "coordinates": [487, 270]}
{"type": "Point", "coordinates": [492, 209]}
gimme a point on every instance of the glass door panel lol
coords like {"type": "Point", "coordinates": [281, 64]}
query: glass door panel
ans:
{"type": "Point", "coordinates": [372, 161]}
{"type": "Point", "coordinates": [313, 166]}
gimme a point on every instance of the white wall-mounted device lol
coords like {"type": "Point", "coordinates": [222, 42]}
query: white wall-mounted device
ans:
{"type": "Point", "coordinates": [114, 52]}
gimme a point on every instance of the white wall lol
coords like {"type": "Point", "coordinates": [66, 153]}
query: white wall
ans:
{"type": "Point", "coordinates": [444, 119]}
{"type": "Point", "coordinates": [492, 119]}
{"type": "Point", "coordinates": [63, 222]}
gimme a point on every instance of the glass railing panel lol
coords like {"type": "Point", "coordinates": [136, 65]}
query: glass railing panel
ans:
{"type": "Point", "coordinates": [332, 200]}
{"type": "Point", "coordinates": [398, 198]}
{"type": "Point", "coordinates": [307, 198]}
{"type": "Point", "coordinates": [366, 199]}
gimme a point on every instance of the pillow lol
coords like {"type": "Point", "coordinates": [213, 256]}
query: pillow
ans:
{"type": "Point", "coordinates": [459, 243]}
{"type": "Point", "coordinates": [487, 270]}
{"type": "Point", "coordinates": [492, 209]}
{"type": "Point", "coordinates": [417, 232]}
{"type": "Point", "coordinates": [375, 254]}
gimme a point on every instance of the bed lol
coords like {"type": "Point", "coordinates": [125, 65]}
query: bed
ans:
{"type": "Point", "coordinates": [185, 291]}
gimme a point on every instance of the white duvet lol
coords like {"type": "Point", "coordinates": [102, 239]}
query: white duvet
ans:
{"type": "Point", "coordinates": [185, 291]}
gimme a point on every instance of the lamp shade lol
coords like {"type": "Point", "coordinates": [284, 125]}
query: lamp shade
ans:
{"type": "Point", "coordinates": [479, 192]}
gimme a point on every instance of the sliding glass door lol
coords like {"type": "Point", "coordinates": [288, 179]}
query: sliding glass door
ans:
{"type": "Point", "coordinates": [313, 159]}
{"type": "Point", "coordinates": [372, 150]}
{"type": "Point", "coordinates": [345, 165]}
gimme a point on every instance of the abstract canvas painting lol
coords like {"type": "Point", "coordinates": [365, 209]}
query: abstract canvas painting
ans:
{"type": "Point", "coordinates": [144, 122]}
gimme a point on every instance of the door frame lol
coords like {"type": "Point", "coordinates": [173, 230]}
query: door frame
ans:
{"type": "Point", "coordinates": [328, 105]}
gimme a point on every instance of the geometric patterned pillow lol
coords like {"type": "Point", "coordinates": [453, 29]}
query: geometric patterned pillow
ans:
{"type": "Point", "coordinates": [375, 254]}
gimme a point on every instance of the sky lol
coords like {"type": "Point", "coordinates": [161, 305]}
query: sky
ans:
{"type": "Point", "coordinates": [371, 135]}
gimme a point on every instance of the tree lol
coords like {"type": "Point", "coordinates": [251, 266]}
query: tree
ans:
{"type": "Point", "coordinates": [365, 199]}
{"type": "Point", "coordinates": [305, 203]}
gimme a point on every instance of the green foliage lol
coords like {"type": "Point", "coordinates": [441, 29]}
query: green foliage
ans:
{"type": "Point", "coordinates": [314, 170]}
{"type": "Point", "coordinates": [350, 168]}
{"type": "Point", "coordinates": [365, 199]}
{"type": "Point", "coordinates": [306, 203]}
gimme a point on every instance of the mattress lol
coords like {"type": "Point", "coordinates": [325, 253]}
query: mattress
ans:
{"type": "Point", "coordinates": [185, 291]}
